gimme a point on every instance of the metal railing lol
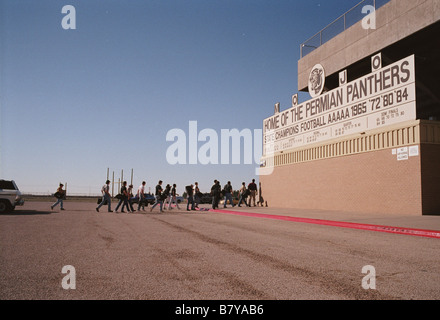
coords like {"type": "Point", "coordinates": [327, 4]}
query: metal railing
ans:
{"type": "Point", "coordinates": [339, 25]}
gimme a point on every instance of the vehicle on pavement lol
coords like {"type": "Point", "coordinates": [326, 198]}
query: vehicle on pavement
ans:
{"type": "Point", "coordinates": [10, 196]}
{"type": "Point", "coordinates": [179, 199]}
{"type": "Point", "coordinates": [149, 199]}
{"type": "Point", "coordinates": [206, 198]}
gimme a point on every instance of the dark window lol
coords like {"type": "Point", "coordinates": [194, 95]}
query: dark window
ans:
{"type": "Point", "coordinates": [6, 185]}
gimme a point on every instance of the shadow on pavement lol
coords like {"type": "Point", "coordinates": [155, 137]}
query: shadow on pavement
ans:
{"type": "Point", "coordinates": [26, 213]}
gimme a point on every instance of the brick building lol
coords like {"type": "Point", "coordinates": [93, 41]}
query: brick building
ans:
{"type": "Point", "coordinates": [369, 138]}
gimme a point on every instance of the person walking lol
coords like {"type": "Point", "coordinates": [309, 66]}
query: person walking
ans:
{"type": "Point", "coordinates": [123, 198]}
{"type": "Point", "coordinates": [253, 192]}
{"type": "Point", "coordinates": [243, 195]}
{"type": "Point", "coordinates": [130, 197]}
{"type": "Point", "coordinates": [173, 197]}
{"type": "Point", "coordinates": [141, 196]}
{"type": "Point", "coordinates": [158, 197]}
{"type": "Point", "coordinates": [197, 195]}
{"type": "Point", "coordinates": [166, 196]}
{"type": "Point", "coordinates": [60, 195]}
{"type": "Point", "coordinates": [227, 190]}
{"type": "Point", "coordinates": [215, 193]}
{"type": "Point", "coordinates": [190, 197]}
{"type": "Point", "coordinates": [106, 198]}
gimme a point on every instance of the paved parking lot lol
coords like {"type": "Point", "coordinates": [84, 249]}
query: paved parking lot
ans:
{"type": "Point", "coordinates": [205, 255]}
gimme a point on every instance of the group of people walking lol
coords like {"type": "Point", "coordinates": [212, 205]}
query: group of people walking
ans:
{"type": "Point", "coordinates": [125, 197]}
{"type": "Point", "coordinates": [164, 198]}
{"type": "Point", "coordinates": [245, 192]}
{"type": "Point", "coordinates": [169, 195]}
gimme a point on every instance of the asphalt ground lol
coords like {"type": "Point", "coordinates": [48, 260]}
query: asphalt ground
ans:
{"type": "Point", "coordinates": [212, 255]}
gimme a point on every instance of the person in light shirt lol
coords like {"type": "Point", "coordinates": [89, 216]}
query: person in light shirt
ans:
{"type": "Point", "coordinates": [141, 196]}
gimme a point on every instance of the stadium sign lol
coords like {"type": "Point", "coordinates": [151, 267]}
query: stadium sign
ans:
{"type": "Point", "coordinates": [384, 97]}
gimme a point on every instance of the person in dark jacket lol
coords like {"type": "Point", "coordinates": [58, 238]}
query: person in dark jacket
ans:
{"type": "Point", "coordinates": [158, 197]}
{"type": "Point", "coordinates": [228, 194]}
{"type": "Point", "coordinates": [123, 198]}
{"type": "Point", "coordinates": [190, 196]}
{"type": "Point", "coordinates": [253, 190]}
{"type": "Point", "coordinates": [60, 195]}
{"type": "Point", "coordinates": [215, 193]}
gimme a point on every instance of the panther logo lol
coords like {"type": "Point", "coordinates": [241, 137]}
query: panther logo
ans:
{"type": "Point", "coordinates": [316, 81]}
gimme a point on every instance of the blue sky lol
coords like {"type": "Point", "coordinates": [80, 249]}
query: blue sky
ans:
{"type": "Point", "coordinates": [76, 102]}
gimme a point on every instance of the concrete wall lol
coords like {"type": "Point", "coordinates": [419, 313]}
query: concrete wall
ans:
{"type": "Point", "coordinates": [394, 21]}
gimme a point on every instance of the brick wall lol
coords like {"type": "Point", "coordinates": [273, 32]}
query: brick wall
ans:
{"type": "Point", "coordinates": [366, 182]}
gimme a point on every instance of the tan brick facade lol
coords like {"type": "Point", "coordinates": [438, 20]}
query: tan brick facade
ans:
{"type": "Point", "coordinates": [363, 176]}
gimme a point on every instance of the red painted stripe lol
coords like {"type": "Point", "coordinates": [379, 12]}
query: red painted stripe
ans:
{"type": "Point", "coordinates": [341, 224]}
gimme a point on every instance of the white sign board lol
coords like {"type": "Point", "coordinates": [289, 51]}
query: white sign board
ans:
{"type": "Point", "coordinates": [402, 154]}
{"type": "Point", "coordinates": [381, 98]}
